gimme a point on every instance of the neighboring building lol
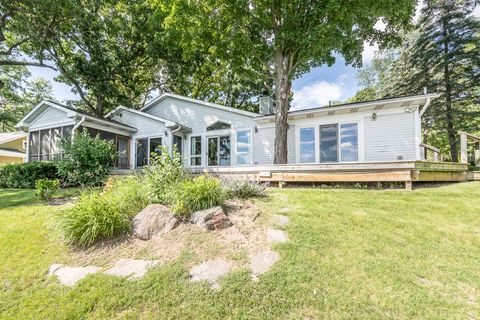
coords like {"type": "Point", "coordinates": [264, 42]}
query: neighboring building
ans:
{"type": "Point", "coordinates": [13, 147]}
{"type": "Point", "coordinates": [211, 137]}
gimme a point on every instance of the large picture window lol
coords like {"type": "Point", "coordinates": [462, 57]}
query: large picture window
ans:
{"type": "Point", "coordinates": [349, 142]}
{"type": "Point", "coordinates": [196, 151]}
{"type": "Point", "coordinates": [307, 145]}
{"type": "Point", "coordinates": [45, 144]}
{"type": "Point", "coordinates": [243, 147]}
{"type": "Point", "coordinates": [329, 143]}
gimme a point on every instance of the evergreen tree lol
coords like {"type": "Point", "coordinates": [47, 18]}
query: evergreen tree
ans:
{"type": "Point", "coordinates": [444, 56]}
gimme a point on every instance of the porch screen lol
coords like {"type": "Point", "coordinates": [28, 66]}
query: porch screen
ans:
{"type": "Point", "coordinates": [45, 144]}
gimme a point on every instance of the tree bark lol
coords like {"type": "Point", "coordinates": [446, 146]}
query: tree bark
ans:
{"type": "Point", "coordinates": [452, 137]}
{"type": "Point", "coordinates": [283, 86]}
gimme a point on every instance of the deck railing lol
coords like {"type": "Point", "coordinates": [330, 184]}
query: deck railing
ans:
{"type": "Point", "coordinates": [424, 148]}
{"type": "Point", "coordinates": [464, 137]}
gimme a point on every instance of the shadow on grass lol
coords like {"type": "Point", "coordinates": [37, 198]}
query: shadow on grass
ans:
{"type": "Point", "coordinates": [16, 197]}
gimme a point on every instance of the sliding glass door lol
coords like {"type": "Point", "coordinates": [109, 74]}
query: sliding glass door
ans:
{"type": "Point", "coordinates": [219, 151]}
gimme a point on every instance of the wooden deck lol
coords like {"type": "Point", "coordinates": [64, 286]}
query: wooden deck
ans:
{"type": "Point", "coordinates": [400, 171]}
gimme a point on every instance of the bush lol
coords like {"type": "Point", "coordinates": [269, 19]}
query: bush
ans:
{"type": "Point", "coordinates": [86, 160]}
{"type": "Point", "coordinates": [200, 193]}
{"type": "Point", "coordinates": [243, 188]}
{"type": "Point", "coordinates": [45, 188]}
{"type": "Point", "coordinates": [163, 176]}
{"type": "Point", "coordinates": [24, 175]}
{"type": "Point", "coordinates": [102, 214]}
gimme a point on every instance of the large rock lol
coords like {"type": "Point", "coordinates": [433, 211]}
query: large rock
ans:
{"type": "Point", "coordinates": [154, 219]}
{"type": "Point", "coordinates": [211, 219]}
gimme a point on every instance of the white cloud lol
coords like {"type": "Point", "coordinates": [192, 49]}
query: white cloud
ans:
{"type": "Point", "coordinates": [317, 94]}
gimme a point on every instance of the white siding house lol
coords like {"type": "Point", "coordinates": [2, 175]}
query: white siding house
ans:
{"type": "Point", "coordinates": [211, 136]}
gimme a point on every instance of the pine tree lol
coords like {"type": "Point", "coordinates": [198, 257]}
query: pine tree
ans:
{"type": "Point", "coordinates": [444, 56]}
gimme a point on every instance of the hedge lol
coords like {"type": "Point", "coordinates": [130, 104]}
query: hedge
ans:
{"type": "Point", "coordinates": [24, 175]}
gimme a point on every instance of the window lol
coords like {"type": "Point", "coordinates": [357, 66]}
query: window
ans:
{"type": "Point", "coordinates": [219, 126]}
{"type": "Point", "coordinates": [142, 153]}
{"type": "Point", "coordinates": [329, 143]}
{"type": "Point", "coordinates": [196, 151]}
{"type": "Point", "coordinates": [155, 146]}
{"type": "Point", "coordinates": [349, 142]}
{"type": "Point", "coordinates": [218, 151]}
{"type": "Point", "coordinates": [177, 144]}
{"type": "Point", "coordinates": [307, 145]}
{"type": "Point", "coordinates": [243, 147]}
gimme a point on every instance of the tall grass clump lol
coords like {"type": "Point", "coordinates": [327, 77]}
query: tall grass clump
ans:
{"type": "Point", "coordinates": [103, 214]}
{"type": "Point", "coordinates": [200, 193]}
{"type": "Point", "coordinates": [243, 188]}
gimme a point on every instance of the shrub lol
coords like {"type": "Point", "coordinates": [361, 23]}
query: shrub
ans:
{"type": "Point", "coordinates": [102, 214]}
{"type": "Point", "coordinates": [86, 160]}
{"type": "Point", "coordinates": [163, 176]}
{"type": "Point", "coordinates": [243, 188]}
{"type": "Point", "coordinates": [24, 175]}
{"type": "Point", "coordinates": [200, 193]}
{"type": "Point", "coordinates": [45, 188]}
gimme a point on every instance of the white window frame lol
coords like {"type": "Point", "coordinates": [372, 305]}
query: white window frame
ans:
{"type": "Point", "coordinates": [315, 138]}
{"type": "Point", "coordinates": [340, 141]}
{"type": "Point", "coordinates": [197, 155]}
{"type": "Point", "coordinates": [247, 153]}
{"type": "Point", "coordinates": [148, 147]}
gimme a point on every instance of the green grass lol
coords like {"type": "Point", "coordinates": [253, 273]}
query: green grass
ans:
{"type": "Point", "coordinates": [353, 254]}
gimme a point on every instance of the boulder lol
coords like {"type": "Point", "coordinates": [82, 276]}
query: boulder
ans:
{"type": "Point", "coordinates": [154, 219]}
{"type": "Point", "coordinates": [211, 219]}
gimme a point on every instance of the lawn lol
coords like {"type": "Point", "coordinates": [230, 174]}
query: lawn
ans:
{"type": "Point", "coordinates": [353, 254]}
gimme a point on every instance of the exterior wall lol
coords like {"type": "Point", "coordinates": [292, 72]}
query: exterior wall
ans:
{"type": "Point", "coordinates": [5, 159]}
{"type": "Point", "coordinates": [394, 133]}
{"type": "Point", "coordinates": [14, 145]}
{"type": "Point", "coordinates": [51, 117]}
{"type": "Point", "coordinates": [146, 128]}
{"type": "Point", "coordinates": [198, 117]}
{"type": "Point", "coordinates": [390, 137]}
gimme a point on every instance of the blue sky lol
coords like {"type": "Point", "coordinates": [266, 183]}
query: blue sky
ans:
{"type": "Point", "coordinates": [314, 89]}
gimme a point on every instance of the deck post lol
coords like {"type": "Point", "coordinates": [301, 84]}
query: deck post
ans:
{"type": "Point", "coordinates": [477, 154]}
{"type": "Point", "coordinates": [408, 185]}
{"type": "Point", "coordinates": [463, 147]}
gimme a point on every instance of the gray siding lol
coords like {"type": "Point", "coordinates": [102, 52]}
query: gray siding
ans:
{"type": "Point", "coordinates": [144, 125]}
{"type": "Point", "coordinates": [197, 116]}
{"type": "Point", "coordinates": [390, 137]}
{"type": "Point", "coordinates": [263, 142]}
{"type": "Point", "coordinates": [50, 117]}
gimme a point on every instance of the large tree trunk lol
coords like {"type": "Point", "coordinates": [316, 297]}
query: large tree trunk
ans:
{"type": "Point", "coordinates": [283, 86]}
{"type": "Point", "coordinates": [452, 137]}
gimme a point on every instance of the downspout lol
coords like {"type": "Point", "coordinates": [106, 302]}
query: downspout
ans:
{"type": "Point", "coordinates": [75, 127]}
{"type": "Point", "coordinates": [171, 138]}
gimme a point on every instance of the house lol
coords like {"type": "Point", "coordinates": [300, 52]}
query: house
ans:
{"type": "Point", "coordinates": [13, 147]}
{"type": "Point", "coordinates": [368, 141]}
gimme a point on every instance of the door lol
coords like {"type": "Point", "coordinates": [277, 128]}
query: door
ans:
{"type": "Point", "coordinates": [219, 151]}
{"type": "Point", "coordinates": [177, 143]}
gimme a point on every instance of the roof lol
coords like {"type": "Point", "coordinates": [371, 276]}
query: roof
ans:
{"type": "Point", "coordinates": [11, 136]}
{"type": "Point", "coordinates": [11, 153]}
{"type": "Point", "coordinates": [204, 103]}
{"type": "Point", "coordinates": [71, 113]}
{"type": "Point", "coordinates": [356, 106]}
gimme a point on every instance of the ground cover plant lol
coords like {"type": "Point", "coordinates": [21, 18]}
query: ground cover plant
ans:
{"type": "Point", "coordinates": [353, 254]}
{"type": "Point", "coordinates": [45, 188]}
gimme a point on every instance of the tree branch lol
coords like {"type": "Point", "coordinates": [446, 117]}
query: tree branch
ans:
{"type": "Point", "coordinates": [26, 64]}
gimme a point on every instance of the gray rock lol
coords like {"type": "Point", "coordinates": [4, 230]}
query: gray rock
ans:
{"type": "Point", "coordinates": [69, 276]}
{"type": "Point", "coordinates": [210, 271]}
{"type": "Point", "coordinates": [282, 220]}
{"type": "Point", "coordinates": [131, 268]}
{"type": "Point", "coordinates": [154, 219]}
{"type": "Point", "coordinates": [211, 219]}
{"type": "Point", "coordinates": [276, 236]}
{"type": "Point", "coordinates": [262, 262]}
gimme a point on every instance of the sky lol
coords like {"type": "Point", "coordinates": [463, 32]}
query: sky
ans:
{"type": "Point", "coordinates": [314, 89]}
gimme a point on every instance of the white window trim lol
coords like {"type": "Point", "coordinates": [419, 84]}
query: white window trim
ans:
{"type": "Point", "coordinates": [249, 153]}
{"type": "Point", "coordinates": [190, 156]}
{"type": "Point", "coordinates": [340, 141]}
{"type": "Point", "coordinates": [148, 148]}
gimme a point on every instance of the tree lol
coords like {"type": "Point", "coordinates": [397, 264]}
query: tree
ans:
{"type": "Point", "coordinates": [285, 38]}
{"type": "Point", "coordinates": [444, 56]}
